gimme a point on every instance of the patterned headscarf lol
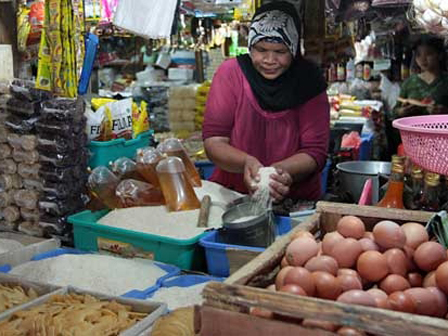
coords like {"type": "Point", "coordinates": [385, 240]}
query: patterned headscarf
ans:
{"type": "Point", "coordinates": [274, 25]}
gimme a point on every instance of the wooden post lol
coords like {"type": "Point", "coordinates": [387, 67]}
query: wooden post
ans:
{"type": "Point", "coordinates": [8, 29]}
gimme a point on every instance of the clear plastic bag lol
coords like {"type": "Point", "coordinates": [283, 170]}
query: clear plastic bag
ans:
{"type": "Point", "coordinates": [28, 157]}
{"type": "Point", "coordinates": [22, 108]}
{"type": "Point", "coordinates": [32, 185]}
{"type": "Point", "coordinates": [31, 215]}
{"type": "Point", "coordinates": [60, 207]}
{"type": "Point", "coordinates": [137, 193]}
{"type": "Point", "coordinates": [8, 182]}
{"type": "Point", "coordinates": [125, 168]}
{"type": "Point", "coordinates": [176, 187]}
{"type": "Point", "coordinates": [173, 147]}
{"type": "Point", "coordinates": [26, 199]}
{"type": "Point", "coordinates": [25, 90]}
{"type": "Point", "coordinates": [31, 229]}
{"type": "Point", "coordinates": [147, 160]}
{"type": "Point", "coordinates": [58, 190]}
{"type": "Point", "coordinates": [24, 142]}
{"type": "Point", "coordinates": [56, 144]}
{"type": "Point", "coordinates": [28, 171]}
{"type": "Point", "coordinates": [103, 183]}
{"type": "Point", "coordinates": [66, 110]}
{"type": "Point", "coordinates": [5, 151]}
{"type": "Point", "coordinates": [20, 125]}
{"type": "Point", "coordinates": [54, 174]}
{"type": "Point", "coordinates": [8, 166]}
{"type": "Point", "coordinates": [60, 159]}
{"type": "Point", "coordinates": [5, 199]}
{"type": "Point", "coordinates": [45, 127]}
{"type": "Point", "coordinates": [11, 214]}
{"type": "Point", "coordinates": [14, 140]}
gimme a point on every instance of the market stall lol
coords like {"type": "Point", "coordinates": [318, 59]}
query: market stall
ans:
{"type": "Point", "coordinates": [125, 129]}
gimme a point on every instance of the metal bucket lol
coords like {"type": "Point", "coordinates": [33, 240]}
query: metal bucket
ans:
{"type": "Point", "coordinates": [353, 175]}
{"type": "Point", "coordinates": [257, 230]}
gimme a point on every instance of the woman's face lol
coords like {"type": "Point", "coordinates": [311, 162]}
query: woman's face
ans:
{"type": "Point", "coordinates": [270, 59]}
{"type": "Point", "coordinates": [427, 58]}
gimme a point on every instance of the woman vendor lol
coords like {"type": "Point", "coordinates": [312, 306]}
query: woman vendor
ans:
{"type": "Point", "coordinates": [269, 108]}
{"type": "Point", "coordinates": [425, 92]}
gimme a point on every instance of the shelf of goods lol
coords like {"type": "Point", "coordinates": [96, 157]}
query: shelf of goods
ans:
{"type": "Point", "coordinates": [229, 308]}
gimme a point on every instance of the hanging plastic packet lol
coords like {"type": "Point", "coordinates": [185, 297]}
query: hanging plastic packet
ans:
{"type": "Point", "coordinates": [26, 91]}
{"type": "Point", "coordinates": [8, 166]}
{"type": "Point", "coordinates": [121, 112]}
{"type": "Point", "coordinates": [32, 215]}
{"type": "Point", "coordinates": [28, 171]}
{"type": "Point", "coordinates": [103, 183]}
{"type": "Point", "coordinates": [22, 108]}
{"type": "Point", "coordinates": [125, 168]}
{"type": "Point", "coordinates": [31, 157]}
{"type": "Point", "coordinates": [54, 143]}
{"type": "Point", "coordinates": [173, 147]}
{"type": "Point", "coordinates": [176, 187]}
{"type": "Point", "coordinates": [26, 199]}
{"type": "Point", "coordinates": [137, 193]}
{"type": "Point", "coordinates": [8, 182]}
{"type": "Point", "coordinates": [5, 151]}
{"type": "Point", "coordinates": [147, 160]}
{"type": "Point", "coordinates": [60, 160]}
{"type": "Point", "coordinates": [20, 125]}
{"type": "Point", "coordinates": [5, 199]}
{"type": "Point", "coordinates": [32, 184]}
{"type": "Point", "coordinates": [11, 213]}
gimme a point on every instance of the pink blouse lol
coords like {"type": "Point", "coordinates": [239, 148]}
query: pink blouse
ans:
{"type": "Point", "coordinates": [232, 111]}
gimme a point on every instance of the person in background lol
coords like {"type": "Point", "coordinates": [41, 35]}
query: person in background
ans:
{"type": "Point", "coordinates": [269, 108]}
{"type": "Point", "coordinates": [425, 92]}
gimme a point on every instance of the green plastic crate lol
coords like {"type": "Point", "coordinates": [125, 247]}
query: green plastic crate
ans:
{"type": "Point", "coordinates": [103, 152]}
{"type": "Point", "coordinates": [91, 236]}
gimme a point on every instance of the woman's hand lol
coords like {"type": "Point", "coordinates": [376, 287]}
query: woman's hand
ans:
{"type": "Point", "coordinates": [280, 184]}
{"type": "Point", "coordinates": [251, 167]}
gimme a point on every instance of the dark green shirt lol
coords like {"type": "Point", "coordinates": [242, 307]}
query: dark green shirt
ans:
{"type": "Point", "coordinates": [416, 88]}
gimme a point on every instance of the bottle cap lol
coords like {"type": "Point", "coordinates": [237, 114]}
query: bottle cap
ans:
{"type": "Point", "coordinates": [432, 179]}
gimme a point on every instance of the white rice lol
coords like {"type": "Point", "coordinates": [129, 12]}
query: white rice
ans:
{"type": "Point", "coordinates": [98, 273]}
{"type": "Point", "coordinates": [178, 297]}
{"type": "Point", "coordinates": [7, 245]}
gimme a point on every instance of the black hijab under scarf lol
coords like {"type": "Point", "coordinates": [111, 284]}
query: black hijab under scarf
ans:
{"type": "Point", "coordinates": [297, 85]}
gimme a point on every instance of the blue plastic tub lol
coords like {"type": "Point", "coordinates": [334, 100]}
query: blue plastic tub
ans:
{"type": "Point", "coordinates": [205, 168]}
{"type": "Point", "coordinates": [215, 252]}
{"type": "Point", "coordinates": [365, 150]}
{"type": "Point", "coordinates": [171, 270]}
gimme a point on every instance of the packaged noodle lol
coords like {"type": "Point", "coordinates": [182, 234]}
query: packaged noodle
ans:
{"type": "Point", "coordinates": [140, 122]}
{"type": "Point", "coordinates": [121, 112]}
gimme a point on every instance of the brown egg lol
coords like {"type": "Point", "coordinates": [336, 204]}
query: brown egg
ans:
{"type": "Point", "coordinates": [322, 263]}
{"type": "Point", "coordinates": [280, 278]}
{"type": "Point", "coordinates": [425, 301]}
{"type": "Point", "coordinates": [351, 227]}
{"type": "Point", "coordinates": [293, 289]}
{"type": "Point", "coordinates": [442, 277]}
{"type": "Point", "coordinates": [330, 239]}
{"type": "Point", "coordinates": [394, 283]}
{"type": "Point", "coordinates": [300, 250]}
{"type": "Point", "coordinates": [397, 262]}
{"type": "Point", "coordinates": [284, 262]}
{"type": "Point", "coordinates": [310, 323]}
{"type": "Point", "coordinates": [402, 302]}
{"type": "Point", "coordinates": [442, 305]}
{"type": "Point", "coordinates": [300, 234]}
{"type": "Point", "coordinates": [430, 280]}
{"type": "Point", "coordinates": [389, 234]}
{"type": "Point", "coordinates": [372, 266]}
{"type": "Point", "coordinates": [415, 234]}
{"type": "Point", "coordinates": [358, 297]}
{"type": "Point", "coordinates": [319, 252]}
{"type": "Point", "coordinates": [327, 286]}
{"type": "Point", "coordinates": [415, 279]}
{"type": "Point", "coordinates": [368, 245]}
{"type": "Point", "coordinates": [348, 271]}
{"type": "Point", "coordinates": [349, 282]}
{"type": "Point", "coordinates": [347, 331]}
{"type": "Point", "coordinates": [381, 298]}
{"type": "Point", "coordinates": [302, 277]}
{"type": "Point", "coordinates": [428, 256]}
{"type": "Point", "coordinates": [346, 252]}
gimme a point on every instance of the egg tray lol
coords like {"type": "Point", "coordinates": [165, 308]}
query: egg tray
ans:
{"type": "Point", "coordinates": [240, 295]}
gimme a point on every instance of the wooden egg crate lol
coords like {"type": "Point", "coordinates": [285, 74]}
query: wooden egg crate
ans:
{"type": "Point", "coordinates": [226, 306]}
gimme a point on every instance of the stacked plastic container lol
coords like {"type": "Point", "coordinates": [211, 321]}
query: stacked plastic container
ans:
{"type": "Point", "coordinates": [182, 105]}
{"type": "Point", "coordinates": [20, 185]}
{"type": "Point", "coordinates": [62, 144]}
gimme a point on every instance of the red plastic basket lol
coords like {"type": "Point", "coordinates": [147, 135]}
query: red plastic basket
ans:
{"type": "Point", "coordinates": [425, 141]}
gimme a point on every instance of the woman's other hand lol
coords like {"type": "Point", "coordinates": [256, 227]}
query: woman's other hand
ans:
{"type": "Point", "coordinates": [280, 184]}
{"type": "Point", "coordinates": [251, 167]}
